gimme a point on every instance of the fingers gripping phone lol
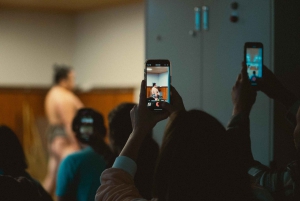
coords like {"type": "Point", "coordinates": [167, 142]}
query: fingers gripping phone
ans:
{"type": "Point", "coordinates": [253, 57]}
{"type": "Point", "coordinates": [157, 75]}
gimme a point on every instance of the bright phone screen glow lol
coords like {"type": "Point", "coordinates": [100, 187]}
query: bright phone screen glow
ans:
{"type": "Point", "coordinates": [86, 128]}
{"type": "Point", "coordinates": [158, 85]}
{"type": "Point", "coordinates": [254, 63]}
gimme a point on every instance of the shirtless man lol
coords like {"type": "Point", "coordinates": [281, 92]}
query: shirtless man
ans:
{"type": "Point", "coordinates": [61, 105]}
{"type": "Point", "coordinates": [154, 92]}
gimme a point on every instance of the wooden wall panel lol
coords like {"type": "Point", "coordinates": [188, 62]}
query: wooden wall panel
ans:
{"type": "Point", "coordinates": [11, 105]}
{"type": "Point", "coordinates": [106, 99]}
{"type": "Point", "coordinates": [22, 109]}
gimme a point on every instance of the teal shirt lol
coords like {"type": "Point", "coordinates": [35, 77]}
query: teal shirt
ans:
{"type": "Point", "coordinates": [79, 175]}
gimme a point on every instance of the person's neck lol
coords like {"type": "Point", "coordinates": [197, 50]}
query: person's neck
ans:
{"type": "Point", "coordinates": [82, 146]}
{"type": "Point", "coordinates": [63, 85]}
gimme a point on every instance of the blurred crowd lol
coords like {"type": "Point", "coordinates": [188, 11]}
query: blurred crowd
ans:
{"type": "Point", "coordinates": [199, 158]}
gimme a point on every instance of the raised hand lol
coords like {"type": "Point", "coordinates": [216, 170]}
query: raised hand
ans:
{"type": "Point", "coordinates": [274, 89]}
{"type": "Point", "coordinates": [243, 95]}
{"type": "Point", "coordinates": [142, 118]}
{"type": "Point", "coordinates": [176, 102]}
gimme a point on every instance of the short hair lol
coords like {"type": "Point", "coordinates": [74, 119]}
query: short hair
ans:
{"type": "Point", "coordinates": [60, 72]}
{"type": "Point", "coordinates": [120, 124]}
{"type": "Point", "coordinates": [154, 84]}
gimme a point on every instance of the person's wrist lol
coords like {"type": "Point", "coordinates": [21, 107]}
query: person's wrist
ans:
{"type": "Point", "coordinates": [140, 131]}
{"type": "Point", "coordinates": [239, 109]}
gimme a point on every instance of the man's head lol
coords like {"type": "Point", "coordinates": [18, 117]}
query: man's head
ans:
{"type": "Point", "coordinates": [88, 126]}
{"type": "Point", "coordinates": [154, 84]}
{"type": "Point", "coordinates": [120, 126]}
{"type": "Point", "coordinates": [64, 76]}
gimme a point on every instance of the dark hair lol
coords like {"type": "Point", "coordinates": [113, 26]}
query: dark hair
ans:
{"type": "Point", "coordinates": [153, 84]}
{"type": "Point", "coordinates": [12, 157]}
{"type": "Point", "coordinates": [120, 129]}
{"type": "Point", "coordinates": [99, 129]}
{"type": "Point", "coordinates": [197, 161]}
{"type": "Point", "coordinates": [60, 72]}
{"type": "Point", "coordinates": [120, 126]}
{"type": "Point", "coordinates": [96, 139]}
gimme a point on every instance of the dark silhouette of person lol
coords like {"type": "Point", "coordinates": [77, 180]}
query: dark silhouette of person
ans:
{"type": "Point", "coordinates": [15, 182]}
{"type": "Point", "coordinates": [120, 128]}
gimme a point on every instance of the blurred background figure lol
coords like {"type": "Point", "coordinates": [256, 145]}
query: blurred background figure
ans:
{"type": "Point", "coordinates": [120, 128]}
{"type": "Point", "coordinates": [61, 106]}
{"type": "Point", "coordinates": [13, 164]}
{"type": "Point", "coordinates": [79, 173]}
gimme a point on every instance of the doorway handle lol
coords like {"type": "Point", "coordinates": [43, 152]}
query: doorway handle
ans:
{"type": "Point", "coordinates": [205, 17]}
{"type": "Point", "coordinates": [197, 18]}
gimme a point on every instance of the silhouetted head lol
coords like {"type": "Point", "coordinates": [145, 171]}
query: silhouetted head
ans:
{"type": "Point", "coordinates": [197, 161]}
{"type": "Point", "coordinates": [88, 126]}
{"type": "Point", "coordinates": [12, 157]}
{"type": "Point", "coordinates": [120, 126]}
{"type": "Point", "coordinates": [64, 75]}
{"type": "Point", "coordinates": [154, 84]}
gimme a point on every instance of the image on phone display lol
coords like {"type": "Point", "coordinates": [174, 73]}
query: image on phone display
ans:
{"type": "Point", "coordinates": [86, 127]}
{"type": "Point", "coordinates": [158, 83]}
{"type": "Point", "coordinates": [254, 63]}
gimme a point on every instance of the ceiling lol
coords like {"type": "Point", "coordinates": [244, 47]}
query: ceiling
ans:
{"type": "Point", "coordinates": [66, 6]}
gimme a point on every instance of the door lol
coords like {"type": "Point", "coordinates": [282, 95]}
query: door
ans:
{"type": "Point", "coordinates": [222, 56]}
{"type": "Point", "coordinates": [169, 35]}
{"type": "Point", "coordinates": [205, 63]}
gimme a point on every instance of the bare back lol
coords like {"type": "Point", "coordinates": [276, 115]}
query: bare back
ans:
{"type": "Point", "coordinates": [154, 91]}
{"type": "Point", "coordinates": [61, 105]}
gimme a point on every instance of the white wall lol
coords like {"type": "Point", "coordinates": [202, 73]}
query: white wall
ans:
{"type": "Point", "coordinates": [160, 79]}
{"type": "Point", "coordinates": [106, 47]}
{"type": "Point", "coordinates": [152, 78]}
{"type": "Point", "coordinates": [110, 48]}
{"type": "Point", "coordinates": [163, 79]}
{"type": "Point", "coordinates": [30, 43]}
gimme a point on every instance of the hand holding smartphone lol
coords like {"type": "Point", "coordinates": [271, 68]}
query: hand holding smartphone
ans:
{"type": "Point", "coordinates": [157, 75]}
{"type": "Point", "coordinates": [253, 58]}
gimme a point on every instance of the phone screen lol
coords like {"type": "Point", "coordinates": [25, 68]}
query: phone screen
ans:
{"type": "Point", "coordinates": [254, 62]}
{"type": "Point", "coordinates": [86, 127]}
{"type": "Point", "coordinates": [157, 76]}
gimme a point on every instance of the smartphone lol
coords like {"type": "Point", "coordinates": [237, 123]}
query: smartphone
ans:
{"type": "Point", "coordinates": [253, 57]}
{"type": "Point", "coordinates": [86, 128]}
{"type": "Point", "coordinates": [157, 75]}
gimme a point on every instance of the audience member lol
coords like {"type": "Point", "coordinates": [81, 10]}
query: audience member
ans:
{"type": "Point", "coordinates": [120, 128]}
{"type": "Point", "coordinates": [284, 183]}
{"type": "Point", "coordinates": [15, 182]}
{"type": "Point", "coordinates": [19, 188]}
{"type": "Point", "coordinates": [60, 105]}
{"type": "Point", "coordinates": [198, 159]}
{"type": "Point", "coordinates": [78, 174]}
